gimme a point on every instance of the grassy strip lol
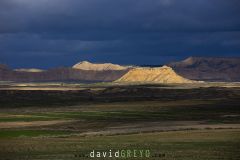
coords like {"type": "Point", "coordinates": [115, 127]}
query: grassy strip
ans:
{"type": "Point", "coordinates": [178, 145]}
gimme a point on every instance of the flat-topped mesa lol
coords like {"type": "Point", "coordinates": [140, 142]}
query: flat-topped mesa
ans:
{"type": "Point", "coordinates": [85, 65]}
{"type": "Point", "coordinates": [163, 74]}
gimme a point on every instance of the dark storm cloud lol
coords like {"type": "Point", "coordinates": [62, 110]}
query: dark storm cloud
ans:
{"type": "Point", "coordinates": [125, 15]}
{"type": "Point", "coordinates": [125, 31]}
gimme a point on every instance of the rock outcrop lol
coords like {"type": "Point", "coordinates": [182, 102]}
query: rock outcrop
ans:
{"type": "Point", "coordinates": [153, 75]}
{"type": "Point", "coordinates": [85, 65]}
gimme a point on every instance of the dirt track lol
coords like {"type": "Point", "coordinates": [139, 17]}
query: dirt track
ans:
{"type": "Point", "coordinates": [31, 124]}
{"type": "Point", "coordinates": [160, 127]}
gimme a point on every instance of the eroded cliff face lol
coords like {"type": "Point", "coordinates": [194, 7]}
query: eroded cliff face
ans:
{"type": "Point", "coordinates": [85, 65]}
{"type": "Point", "coordinates": [153, 75]}
{"type": "Point", "coordinates": [209, 68]}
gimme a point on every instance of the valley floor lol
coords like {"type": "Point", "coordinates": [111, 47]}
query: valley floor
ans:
{"type": "Point", "coordinates": [172, 122]}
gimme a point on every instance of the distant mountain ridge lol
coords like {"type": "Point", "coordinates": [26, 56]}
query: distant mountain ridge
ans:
{"type": "Point", "coordinates": [192, 68]}
{"type": "Point", "coordinates": [60, 74]}
{"type": "Point", "coordinates": [209, 68]}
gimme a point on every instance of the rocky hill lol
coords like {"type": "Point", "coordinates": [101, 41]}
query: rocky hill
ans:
{"type": "Point", "coordinates": [153, 75]}
{"type": "Point", "coordinates": [209, 68]}
{"type": "Point", "coordinates": [85, 65]}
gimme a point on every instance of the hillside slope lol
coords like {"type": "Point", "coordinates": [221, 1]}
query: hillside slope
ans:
{"type": "Point", "coordinates": [153, 75]}
{"type": "Point", "coordinates": [209, 69]}
{"type": "Point", "coordinates": [60, 74]}
{"type": "Point", "coordinates": [85, 65]}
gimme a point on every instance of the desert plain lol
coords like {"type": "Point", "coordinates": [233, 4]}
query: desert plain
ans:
{"type": "Point", "coordinates": [61, 120]}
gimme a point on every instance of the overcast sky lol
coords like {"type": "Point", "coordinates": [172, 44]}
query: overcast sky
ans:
{"type": "Point", "coordinates": [50, 33]}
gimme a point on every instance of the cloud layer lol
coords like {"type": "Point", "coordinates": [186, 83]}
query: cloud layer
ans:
{"type": "Point", "coordinates": [47, 33]}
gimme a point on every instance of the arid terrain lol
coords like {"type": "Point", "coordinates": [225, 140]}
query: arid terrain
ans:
{"type": "Point", "coordinates": [210, 69]}
{"type": "Point", "coordinates": [222, 69]}
{"type": "Point", "coordinates": [68, 120]}
{"type": "Point", "coordinates": [163, 74]}
{"type": "Point", "coordinates": [119, 80]}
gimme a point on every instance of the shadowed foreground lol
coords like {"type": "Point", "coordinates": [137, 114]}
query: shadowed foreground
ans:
{"type": "Point", "coordinates": [172, 122]}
